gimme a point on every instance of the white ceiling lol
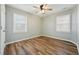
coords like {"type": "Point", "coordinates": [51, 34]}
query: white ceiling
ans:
{"type": "Point", "coordinates": [29, 8]}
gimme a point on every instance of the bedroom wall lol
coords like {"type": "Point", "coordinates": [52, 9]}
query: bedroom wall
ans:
{"type": "Point", "coordinates": [33, 27]}
{"type": "Point", "coordinates": [74, 25]}
{"type": "Point", "coordinates": [78, 26]}
{"type": "Point", "coordinates": [49, 26]}
{"type": "Point", "coordinates": [0, 31]}
{"type": "Point", "coordinates": [40, 26]}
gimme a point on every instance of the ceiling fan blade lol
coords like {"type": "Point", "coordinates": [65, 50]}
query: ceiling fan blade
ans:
{"type": "Point", "coordinates": [35, 6]}
{"type": "Point", "coordinates": [50, 9]}
{"type": "Point", "coordinates": [39, 12]}
{"type": "Point", "coordinates": [36, 12]}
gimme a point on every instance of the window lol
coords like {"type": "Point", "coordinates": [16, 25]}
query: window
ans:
{"type": "Point", "coordinates": [20, 23]}
{"type": "Point", "coordinates": [63, 23]}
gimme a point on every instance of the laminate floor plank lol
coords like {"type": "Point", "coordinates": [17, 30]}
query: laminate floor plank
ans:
{"type": "Point", "coordinates": [41, 46]}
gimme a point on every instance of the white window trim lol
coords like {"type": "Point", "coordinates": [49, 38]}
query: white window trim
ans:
{"type": "Point", "coordinates": [65, 23]}
{"type": "Point", "coordinates": [14, 26]}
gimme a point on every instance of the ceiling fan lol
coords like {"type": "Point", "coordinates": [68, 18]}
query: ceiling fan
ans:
{"type": "Point", "coordinates": [43, 8]}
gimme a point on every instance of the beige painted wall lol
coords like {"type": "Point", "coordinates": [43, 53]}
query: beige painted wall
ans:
{"type": "Point", "coordinates": [49, 26]}
{"type": "Point", "coordinates": [78, 26]}
{"type": "Point", "coordinates": [33, 25]}
{"type": "Point", "coordinates": [40, 26]}
{"type": "Point", "coordinates": [0, 30]}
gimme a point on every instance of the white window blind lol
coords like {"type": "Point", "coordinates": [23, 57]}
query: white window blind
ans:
{"type": "Point", "coordinates": [20, 23]}
{"type": "Point", "coordinates": [63, 23]}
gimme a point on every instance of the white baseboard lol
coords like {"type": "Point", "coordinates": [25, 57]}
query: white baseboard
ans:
{"type": "Point", "coordinates": [42, 35]}
{"type": "Point", "coordinates": [64, 40]}
{"type": "Point", "coordinates": [60, 38]}
{"type": "Point", "coordinates": [46, 36]}
{"type": "Point", "coordinates": [22, 39]}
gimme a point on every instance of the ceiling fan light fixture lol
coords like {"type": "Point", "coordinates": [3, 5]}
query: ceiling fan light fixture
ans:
{"type": "Point", "coordinates": [43, 8]}
{"type": "Point", "coordinates": [42, 11]}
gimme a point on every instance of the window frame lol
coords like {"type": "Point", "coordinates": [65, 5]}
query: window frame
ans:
{"type": "Point", "coordinates": [69, 24]}
{"type": "Point", "coordinates": [14, 22]}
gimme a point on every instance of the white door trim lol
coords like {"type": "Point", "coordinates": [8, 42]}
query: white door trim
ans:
{"type": "Point", "coordinates": [3, 28]}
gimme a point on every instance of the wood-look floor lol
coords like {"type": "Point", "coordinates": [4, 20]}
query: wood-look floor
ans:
{"type": "Point", "coordinates": [41, 46]}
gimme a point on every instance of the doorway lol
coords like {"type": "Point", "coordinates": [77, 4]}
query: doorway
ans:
{"type": "Point", "coordinates": [2, 28]}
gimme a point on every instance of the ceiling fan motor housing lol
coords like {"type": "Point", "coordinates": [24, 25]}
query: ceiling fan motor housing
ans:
{"type": "Point", "coordinates": [41, 7]}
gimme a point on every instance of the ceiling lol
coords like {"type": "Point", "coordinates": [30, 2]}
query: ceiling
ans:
{"type": "Point", "coordinates": [36, 11]}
